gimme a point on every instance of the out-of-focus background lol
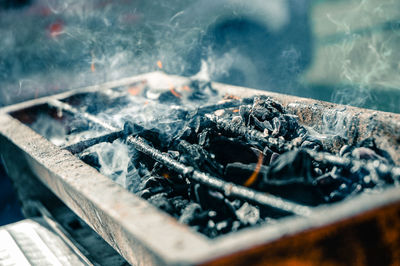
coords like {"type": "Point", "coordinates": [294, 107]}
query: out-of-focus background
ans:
{"type": "Point", "coordinates": [345, 51]}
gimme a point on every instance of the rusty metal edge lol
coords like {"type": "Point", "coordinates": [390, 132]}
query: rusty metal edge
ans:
{"type": "Point", "coordinates": [142, 234]}
{"type": "Point", "coordinates": [200, 250]}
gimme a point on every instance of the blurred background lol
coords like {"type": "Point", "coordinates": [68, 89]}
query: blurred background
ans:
{"type": "Point", "coordinates": [344, 51]}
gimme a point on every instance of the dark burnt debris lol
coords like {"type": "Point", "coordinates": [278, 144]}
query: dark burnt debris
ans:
{"type": "Point", "coordinates": [240, 139]}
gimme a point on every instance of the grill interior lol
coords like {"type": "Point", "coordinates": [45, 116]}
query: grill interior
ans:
{"type": "Point", "coordinates": [253, 169]}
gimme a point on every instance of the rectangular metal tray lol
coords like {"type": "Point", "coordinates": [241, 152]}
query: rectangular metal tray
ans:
{"type": "Point", "coordinates": [144, 235]}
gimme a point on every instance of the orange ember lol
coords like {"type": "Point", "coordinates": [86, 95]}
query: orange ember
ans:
{"type": "Point", "coordinates": [159, 64]}
{"type": "Point", "coordinates": [166, 175]}
{"type": "Point", "coordinates": [186, 88]}
{"type": "Point", "coordinates": [175, 93]}
{"type": "Point", "coordinates": [56, 28]}
{"type": "Point", "coordinates": [231, 97]}
{"type": "Point", "coordinates": [92, 66]}
{"type": "Point", "coordinates": [134, 90]}
{"type": "Point", "coordinates": [254, 175]}
{"type": "Point", "coordinates": [236, 111]}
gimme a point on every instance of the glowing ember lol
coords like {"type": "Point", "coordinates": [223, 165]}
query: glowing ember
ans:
{"type": "Point", "coordinates": [254, 175]}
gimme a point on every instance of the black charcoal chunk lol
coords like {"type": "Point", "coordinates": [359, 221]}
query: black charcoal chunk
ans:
{"type": "Point", "coordinates": [292, 166]}
{"type": "Point", "coordinates": [238, 172]}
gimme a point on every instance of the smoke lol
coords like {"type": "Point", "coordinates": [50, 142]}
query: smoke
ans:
{"type": "Point", "coordinates": [51, 46]}
{"type": "Point", "coordinates": [114, 159]}
{"type": "Point", "coordinates": [368, 57]}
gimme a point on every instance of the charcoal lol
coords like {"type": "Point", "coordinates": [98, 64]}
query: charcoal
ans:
{"type": "Point", "coordinates": [265, 125]}
{"type": "Point", "coordinates": [238, 172]}
{"type": "Point", "coordinates": [146, 194]}
{"type": "Point", "coordinates": [274, 157]}
{"type": "Point", "coordinates": [311, 145]}
{"type": "Point", "coordinates": [153, 135]}
{"type": "Point", "coordinates": [199, 158]}
{"type": "Point", "coordinates": [228, 150]}
{"type": "Point", "coordinates": [179, 203]}
{"type": "Point", "coordinates": [169, 97]}
{"type": "Point", "coordinates": [248, 214]}
{"type": "Point", "coordinates": [244, 112]}
{"type": "Point", "coordinates": [212, 200]}
{"type": "Point", "coordinates": [363, 153]}
{"type": "Point", "coordinates": [189, 167]}
{"type": "Point", "coordinates": [161, 201]}
{"type": "Point", "coordinates": [345, 149]}
{"type": "Point", "coordinates": [78, 125]}
{"type": "Point", "coordinates": [292, 166]}
{"type": "Point", "coordinates": [91, 158]}
{"type": "Point", "coordinates": [155, 182]}
{"type": "Point", "coordinates": [192, 214]}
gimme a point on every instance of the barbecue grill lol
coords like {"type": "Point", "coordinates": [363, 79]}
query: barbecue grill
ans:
{"type": "Point", "coordinates": [145, 235]}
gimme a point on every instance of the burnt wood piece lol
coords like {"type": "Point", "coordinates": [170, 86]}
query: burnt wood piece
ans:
{"type": "Point", "coordinates": [84, 144]}
{"type": "Point", "coordinates": [327, 158]}
{"type": "Point", "coordinates": [234, 130]}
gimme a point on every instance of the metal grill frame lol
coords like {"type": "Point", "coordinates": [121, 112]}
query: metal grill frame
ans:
{"type": "Point", "coordinates": [144, 235]}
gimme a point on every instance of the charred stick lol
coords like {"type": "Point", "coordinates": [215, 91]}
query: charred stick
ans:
{"type": "Point", "coordinates": [327, 158]}
{"type": "Point", "coordinates": [233, 129]}
{"type": "Point", "coordinates": [229, 189]}
{"type": "Point", "coordinates": [82, 145]}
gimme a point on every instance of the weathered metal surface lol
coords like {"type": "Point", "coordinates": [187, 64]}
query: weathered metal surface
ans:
{"type": "Point", "coordinates": [144, 235]}
{"type": "Point", "coordinates": [30, 242]}
{"type": "Point", "coordinates": [371, 238]}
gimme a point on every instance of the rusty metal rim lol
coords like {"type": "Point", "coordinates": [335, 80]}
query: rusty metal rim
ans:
{"type": "Point", "coordinates": [169, 242]}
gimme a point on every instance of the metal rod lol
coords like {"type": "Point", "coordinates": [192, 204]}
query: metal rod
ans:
{"type": "Point", "coordinates": [229, 189]}
{"type": "Point", "coordinates": [68, 108]}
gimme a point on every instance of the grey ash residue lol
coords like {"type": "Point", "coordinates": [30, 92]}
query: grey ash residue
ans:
{"type": "Point", "coordinates": [250, 142]}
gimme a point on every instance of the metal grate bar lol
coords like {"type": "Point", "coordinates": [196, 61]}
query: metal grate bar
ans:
{"type": "Point", "coordinates": [229, 189]}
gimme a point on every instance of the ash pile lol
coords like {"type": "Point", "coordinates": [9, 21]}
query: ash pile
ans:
{"type": "Point", "coordinates": [207, 165]}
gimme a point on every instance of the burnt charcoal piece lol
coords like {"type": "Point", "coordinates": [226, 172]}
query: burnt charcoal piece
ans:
{"type": "Point", "coordinates": [238, 173]}
{"type": "Point", "coordinates": [192, 214]}
{"type": "Point", "coordinates": [170, 96]}
{"type": "Point", "coordinates": [152, 135]}
{"type": "Point", "coordinates": [161, 201]}
{"type": "Point", "coordinates": [291, 167]}
{"type": "Point", "coordinates": [213, 200]}
{"type": "Point", "coordinates": [248, 214]}
{"type": "Point", "coordinates": [179, 203]}
{"type": "Point", "coordinates": [231, 150]}
{"type": "Point", "coordinates": [91, 158]}
{"type": "Point", "coordinates": [78, 125]}
{"type": "Point", "coordinates": [196, 156]}
{"type": "Point", "coordinates": [262, 126]}
{"type": "Point", "coordinates": [296, 191]}
{"type": "Point", "coordinates": [363, 153]}
{"type": "Point", "coordinates": [201, 90]}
